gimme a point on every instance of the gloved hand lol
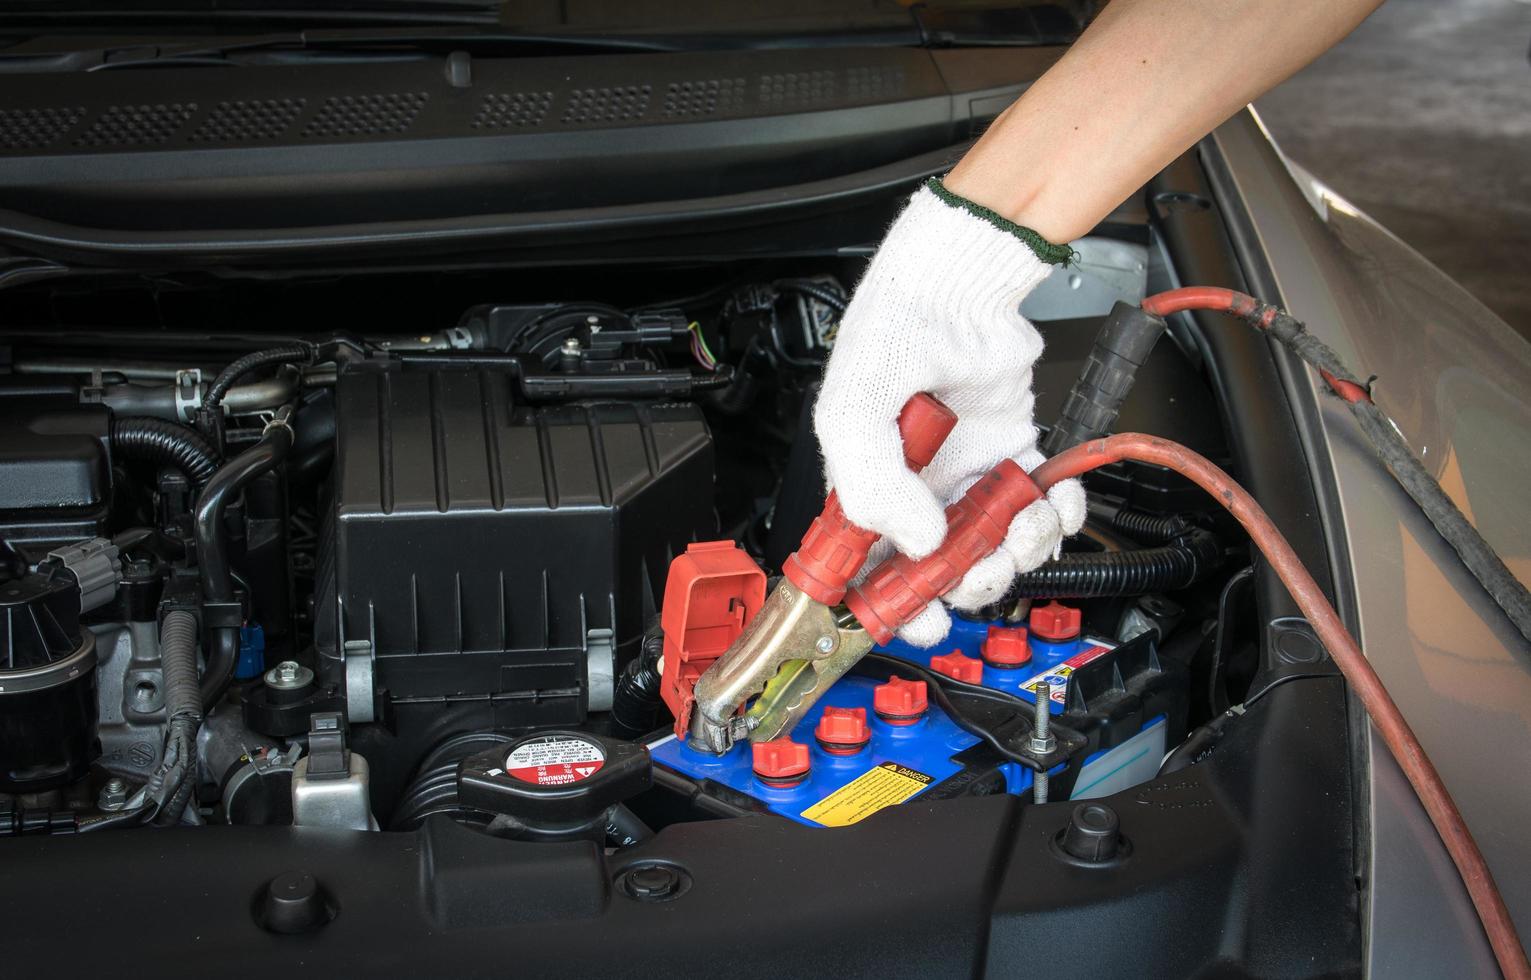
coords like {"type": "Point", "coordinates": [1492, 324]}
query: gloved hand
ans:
{"type": "Point", "coordinates": [939, 311]}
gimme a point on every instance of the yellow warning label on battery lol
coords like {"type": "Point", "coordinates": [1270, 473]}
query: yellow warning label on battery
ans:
{"type": "Point", "coordinates": [885, 785]}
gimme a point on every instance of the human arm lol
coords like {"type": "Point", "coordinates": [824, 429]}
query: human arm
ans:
{"type": "Point", "coordinates": [1145, 81]}
{"type": "Point", "coordinates": [938, 308]}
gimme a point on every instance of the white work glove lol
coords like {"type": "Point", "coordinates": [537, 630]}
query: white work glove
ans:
{"type": "Point", "coordinates": [939, 311]}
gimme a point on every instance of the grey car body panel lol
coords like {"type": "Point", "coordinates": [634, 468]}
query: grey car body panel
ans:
{"type": "Point", "coordinates": [1456, 380]}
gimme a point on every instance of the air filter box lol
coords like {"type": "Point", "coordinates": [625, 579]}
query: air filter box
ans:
{"type": "Point", "coordinates": [501, 556]}
{"type": "Point", "coordinates": [55, 465]}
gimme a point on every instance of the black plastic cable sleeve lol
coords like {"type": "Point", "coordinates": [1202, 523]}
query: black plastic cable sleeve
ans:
{"type": "Point", "coordinates": [1148, 528]}
{"type": "Point", "coordinates": [165, 443]}
{"type": "Point", "coordinates": [212, 546]}
{"type": "Point", "coordinates": [1121, 573]}
{"type": "Point", "coordinates": [1123, 344]}
{"type": "Point", "coordinates": [636, 701]}
{"type": "Point", "coordinates": [210, 416]}
{"type": "Point", "coordinates": [230, 375]}
{"type": "Point", "coordinates": [177, 773]}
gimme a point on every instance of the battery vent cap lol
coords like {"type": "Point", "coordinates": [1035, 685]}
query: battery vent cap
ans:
{"type": "Point", "coordinates": [900, 702]}
{"type": "Point", "coordinates": [1055, 622]}
{"type": "Point", "coordinates": [781, 762]}
{"type": "Point", "coordinates": [843, 731]}
{"type": "Point", "coordinates": [1005, 647]}
{"type": "Point", "coordinates": [958, 666]}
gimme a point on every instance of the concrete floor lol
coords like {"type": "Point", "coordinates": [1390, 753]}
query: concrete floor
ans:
{"type": "Point", "coordinates": [1422, 118]}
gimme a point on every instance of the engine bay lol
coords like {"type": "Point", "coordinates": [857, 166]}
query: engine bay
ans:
{"type": "Point", "coordinates": [275, 577]}
{"type": "Point", "coordinates": [398, 551]}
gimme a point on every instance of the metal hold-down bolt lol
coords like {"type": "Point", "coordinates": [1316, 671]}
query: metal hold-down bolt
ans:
{"type": "Point", "coordinates": [826, 644]}
{"type": "Point", "coordinates": [1042, 740]}
{"type": "Point", "coordinates": [114, 795]}
{"type": "Point", "coordinates": [289, 675]}
{"type": "Point", "coordinates": [571, 346]}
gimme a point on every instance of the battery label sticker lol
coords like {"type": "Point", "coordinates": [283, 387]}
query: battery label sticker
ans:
{"type": "Point", "coordinates": [554, 760]}
{"type": "Point", "coordinates": [885, 785]}
{"type": "Point", "coordinates": [1057, 676]}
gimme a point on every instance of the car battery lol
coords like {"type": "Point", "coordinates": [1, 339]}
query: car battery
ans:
{"type": "Point", "coordinates": [914, 750]}
{"type": "Point", "coordinates": [869, 743]}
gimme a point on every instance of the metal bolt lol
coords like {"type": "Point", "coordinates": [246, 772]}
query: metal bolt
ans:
{"type": "Point", "coordinates": [571, 346]}
{"type": "Point", "coordinates": [1042, 740]}
{"type": "Point", "coordinates": [289, 675]}
{"type": "Point", "coordinates": [826, 644]}
{"type": "Point", "coordinates": [114, 795]}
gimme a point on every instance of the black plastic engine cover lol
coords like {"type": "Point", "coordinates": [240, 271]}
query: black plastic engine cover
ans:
{"type": "Point", "coordinates": [55, 465]}
{"type": "Point", "coordinates": [482, 547]}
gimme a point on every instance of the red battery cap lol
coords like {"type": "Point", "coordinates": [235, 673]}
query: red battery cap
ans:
{"type": "Point", "coordinates": [1055, 622]}
{"type": "Point", "coordinates": [958, 666]}
{"type": "Point", "coordinates": [900, 702]}
{"type": "Point", "coordinates": [1005, 646]}
{"type": "Point", "coordinates": [781, 762]}
{"type": "Point", "coordinates": [843, 731]}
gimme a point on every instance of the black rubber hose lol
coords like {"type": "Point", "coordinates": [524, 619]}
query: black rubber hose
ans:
{"type": "Point", "coordinates": [176, 777]}
{"type": "Point", "coordinates": [635, 702]}
{"type": "Point", "coordinates": [212, 546]}
{"type": "Point", "coordinates": [165, 443]}
{"type": "Point", "coordinates": [1118, 573]}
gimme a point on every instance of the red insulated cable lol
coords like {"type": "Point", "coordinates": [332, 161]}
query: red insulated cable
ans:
{"type": "Point", "coordinates": [1200, 298]}
{"type": "Point", "coordinates": [1246, 307]}
{"type": "Point", "coordinates": [1346, 654]}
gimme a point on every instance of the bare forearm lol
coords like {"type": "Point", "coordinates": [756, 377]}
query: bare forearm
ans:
{"type": "Point", "coordinates": [1143, 83]}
